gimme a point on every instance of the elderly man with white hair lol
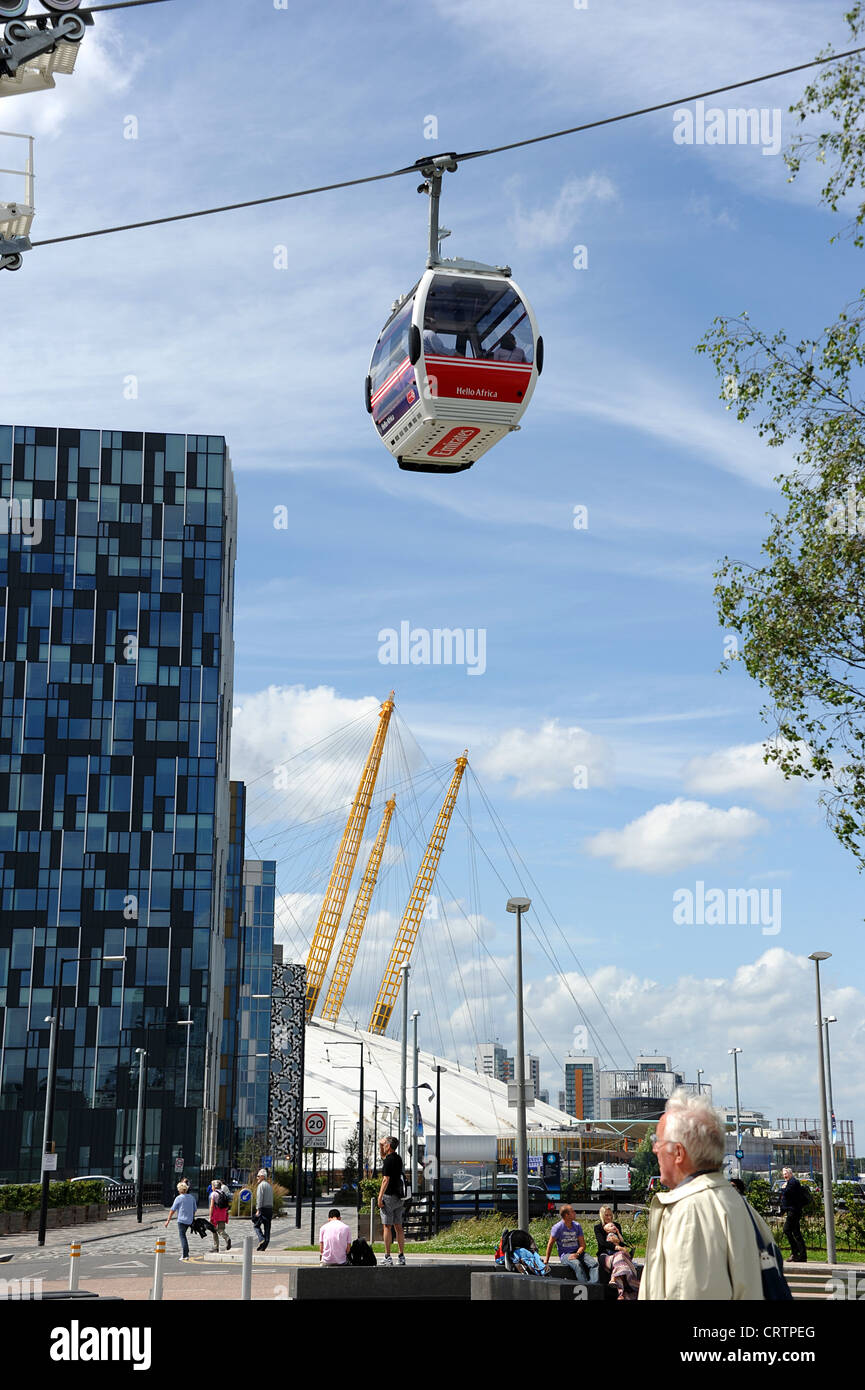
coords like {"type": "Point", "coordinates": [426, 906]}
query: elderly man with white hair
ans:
{"type": "Point", "coordinates": [702, 1243]}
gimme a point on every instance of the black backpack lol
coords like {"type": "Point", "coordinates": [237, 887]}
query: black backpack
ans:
{"type": "Point", "coordinates": [221, 1199]}
{"type": "Point", "coordinates": [361, 1253]}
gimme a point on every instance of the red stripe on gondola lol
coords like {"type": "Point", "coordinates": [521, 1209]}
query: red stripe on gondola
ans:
{"type": "Point", "coordinates": [479, 381]}
{"type": "Point", "coordinates": [397, 371]}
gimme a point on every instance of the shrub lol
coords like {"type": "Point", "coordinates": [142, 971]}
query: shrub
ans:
{"type": "Point", "coordinates": [369, 1190]}
{"type": "Point", "coordinates": [758, 1193]}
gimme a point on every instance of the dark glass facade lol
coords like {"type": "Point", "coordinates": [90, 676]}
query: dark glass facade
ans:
{"type": "Point", "coordinates": [116, 595]}
{"type": "Point", "coordinates": [245, 1060]}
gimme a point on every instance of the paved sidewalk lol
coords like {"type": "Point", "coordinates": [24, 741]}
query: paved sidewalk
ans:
{"type": "Point", "coordinates": [119, 1223]}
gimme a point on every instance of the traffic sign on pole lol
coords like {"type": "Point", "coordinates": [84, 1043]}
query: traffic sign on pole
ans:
{"type": "Point", "coordinates": [315, 1129]}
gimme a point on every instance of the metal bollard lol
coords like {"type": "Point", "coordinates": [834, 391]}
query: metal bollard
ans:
{"type": "Point", "coordinates": [246, 1280]}
{"type": "Point", "coordinates": [74, 1266]}
{"type": "Point", "coordinates": [156, 1291]}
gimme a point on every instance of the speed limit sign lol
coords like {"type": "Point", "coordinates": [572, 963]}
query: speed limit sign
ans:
{"type": "Point", "coordinates": [315, 1129]}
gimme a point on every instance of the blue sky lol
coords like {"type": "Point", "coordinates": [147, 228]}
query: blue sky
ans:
{"type": "Point", "coordinates": [602, 646]}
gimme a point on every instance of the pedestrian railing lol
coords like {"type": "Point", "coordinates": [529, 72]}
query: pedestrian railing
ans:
{"type": "Point", "coordinates": [123, 1197]}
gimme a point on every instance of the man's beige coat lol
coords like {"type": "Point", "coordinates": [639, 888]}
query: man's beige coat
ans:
{"type": "Point", "coordinates": [702, 1244]}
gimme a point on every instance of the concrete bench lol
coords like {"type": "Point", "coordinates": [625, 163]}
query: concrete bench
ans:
{"type": "Point", "coordinates": [496, 1286]}
{"type": "Point", "coordinates": [815, 1281]}
{"type": "Point", "coordinates": [439, 1283]}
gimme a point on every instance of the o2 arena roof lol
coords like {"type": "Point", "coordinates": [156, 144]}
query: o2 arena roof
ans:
{"type": "Point", "coordinates": [470, 1103]}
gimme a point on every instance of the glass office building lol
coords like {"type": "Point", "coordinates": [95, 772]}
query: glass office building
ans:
{"type": "Point", "coordinates": [116, 594]}
{"type": "Point", "coordinates": [245, 1060]}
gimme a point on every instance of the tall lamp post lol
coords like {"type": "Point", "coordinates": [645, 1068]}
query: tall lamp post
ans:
{"type": "Point", "coordinates": [519, 906]}
{"type": "Point", "coordinates": [438, 1197]}
{"type": "Point", "coordinates": [185, 1023]}
{"type": "Point", "coordinates": [51, 1082]}
{"type": "Point", "coordinates": [360, 1117]}
{"type": "Point", "coordinates": [734, 1053]}
{"type": "Point", "coordinates": [404, 971]}
{"type": "Point", "coordinates": [825, 1139]}
{"type": "Point", "coordinates": [141, 1053]}
{"type": "Point", "coordinates": [414, 1163]}
{"type": "Point", "coordinates": [826, 1022]}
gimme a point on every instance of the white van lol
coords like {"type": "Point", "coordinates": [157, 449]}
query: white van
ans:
{"type": "Point", "coordinates": [611, 1177]}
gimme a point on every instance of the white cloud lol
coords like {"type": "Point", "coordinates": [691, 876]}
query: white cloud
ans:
{"type": "Point", "coordinates": [760, 1007]}
{"type": "Point", "coordinates": [676, 834]}
{"type": "Point", "coordinates": [741, 768]}
{"type": "Point", "coordinates": [704, 209]}
{"type": "Point", "coordinates": [632, 396]}
{"type": "Point", "coordinates": [550, 226]}
{"type": "Point", "coordinates": [273, 749]}
{"type": "Point", "coordinates": [545, 760]}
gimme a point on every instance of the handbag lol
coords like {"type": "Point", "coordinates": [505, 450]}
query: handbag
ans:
{"type": "Point", "coordinates": [775, 1286]}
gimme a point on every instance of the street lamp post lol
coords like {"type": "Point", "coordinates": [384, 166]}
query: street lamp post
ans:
{"type": "Point", "coordinates": [438, 1194]}
{"type": "Point", "coordinates": [734, 1053]}
{"type": "Point", "coordinates": [404, 970]}
{"type": "Point", "coordinates": [825, 1138]}
{"type": "Point", "coordinates": [51, 1080]}
{"type": "Point", "coordinates": [414, 1155]}
{"type": "Point", "coordinates": [139, 1147]}
{"type": "Point", "coordinates": [826, 1022]}
{"type": "Point", "coordinates": [519, 906]}
{"type": "Point", "coordinates": [360, 1118]}
{"type": "Point", "coordinates": [186, 1023]}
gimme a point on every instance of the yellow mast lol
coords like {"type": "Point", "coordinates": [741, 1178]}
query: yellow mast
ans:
{"type": "Point", "coordinates": [356, 922]}
{"type": "Point", "coordinates": [340, 877]}
{"type": "Point", "coordinates": [411, 919]}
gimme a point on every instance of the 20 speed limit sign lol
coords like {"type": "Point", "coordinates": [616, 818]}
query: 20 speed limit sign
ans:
{"type": "Point", "coordinates": [315, 1129]}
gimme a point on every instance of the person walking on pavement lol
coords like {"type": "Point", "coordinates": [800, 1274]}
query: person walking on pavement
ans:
{"type": "Point", "coordinates": [263, 1214]}
{"type": "Point", "coordinates": [334, 1238]}
{"type": "Point", "coordinates": [220, 1201]}
{"type": "Point", "coordinates": [390, 1199]}
{"type": "Point", "coordinates": [793, 1202]}
{"type": "Point", "coordinates": [703, 1237]}
{"type": "Point", "coordinates": [184, 1206]}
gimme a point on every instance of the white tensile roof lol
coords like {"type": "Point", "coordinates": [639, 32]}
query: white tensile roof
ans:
{"type": "Point", "coordinates": [470, 1103]}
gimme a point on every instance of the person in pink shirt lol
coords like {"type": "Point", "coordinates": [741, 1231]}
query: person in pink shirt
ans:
{"type": "Point", "coordinates": [334, 1238]}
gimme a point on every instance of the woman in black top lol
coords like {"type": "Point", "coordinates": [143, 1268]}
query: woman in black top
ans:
{"type": "Point", "coordinates": [606, 1242]}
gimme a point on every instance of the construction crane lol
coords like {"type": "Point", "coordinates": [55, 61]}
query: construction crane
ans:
{"type": "Point", "coordinates": [356, 922]}
{"type": "Point", "coordinates": [411, 918]}
{"type": "Point", "coordinates": [343, 868]}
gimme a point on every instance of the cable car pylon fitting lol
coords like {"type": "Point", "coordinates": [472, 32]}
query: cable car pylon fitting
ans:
{"type": "Point", "coordinates": [34, 47]}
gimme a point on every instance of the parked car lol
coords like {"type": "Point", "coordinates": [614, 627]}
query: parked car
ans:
{"type": "Point", "coordinates": [540, 1201]}
{"type": "Point", "coordinates": [98, 1177]}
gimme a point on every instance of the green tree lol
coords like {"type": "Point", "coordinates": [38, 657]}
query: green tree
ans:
{"type": "Point", "coordinates": [644, 1163]}
{"type": "Point", "coordinates": [800, 612]}
{"type": "Point", "coordinates": [349, 1163]}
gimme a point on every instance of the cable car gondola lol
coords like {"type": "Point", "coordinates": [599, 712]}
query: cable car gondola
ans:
{"type": "Point", "coordinates": [456, 363]}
